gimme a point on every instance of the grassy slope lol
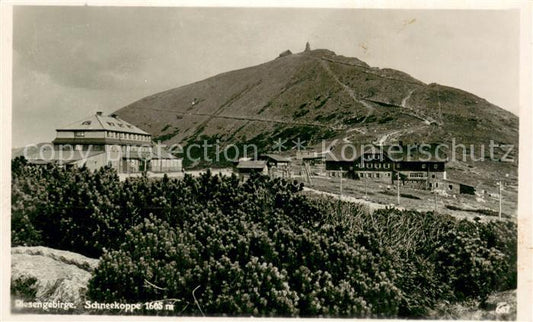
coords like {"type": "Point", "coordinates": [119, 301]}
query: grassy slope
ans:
{"type": "Point", "coordinates": [318, 95]}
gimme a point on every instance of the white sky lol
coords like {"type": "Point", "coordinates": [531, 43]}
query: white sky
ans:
{"type": "Point", "coordinates": [69, 62]}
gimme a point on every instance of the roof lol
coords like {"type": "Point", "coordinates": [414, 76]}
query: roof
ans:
{"type": "Point", "coordinates": [254, 164]}
{"type": "Point", "coordinates": [414, 153]}
{"type": "Point", "coordinates": [396, 153]}
{"type": "Point", "coordinates": [277, 157]}
{"type": "Point", "coordinates": [458, 182]}
{"type": "Point", "coordinates": [99, 122]}
{"type": "Point", "coordinates": [311, 155]}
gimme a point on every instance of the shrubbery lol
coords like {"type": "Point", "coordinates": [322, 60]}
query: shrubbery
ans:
{"type": "Point", "coordinates": [214, 245]}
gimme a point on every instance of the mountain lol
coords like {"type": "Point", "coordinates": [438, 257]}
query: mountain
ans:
{"type": "Point", "coordinates": [28, 150]}
{"type": "Point", "coordinates": [315, 95]}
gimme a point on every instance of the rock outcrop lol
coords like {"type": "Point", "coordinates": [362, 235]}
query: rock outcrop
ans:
{"type": "Point", "coordinates": [50, 274]}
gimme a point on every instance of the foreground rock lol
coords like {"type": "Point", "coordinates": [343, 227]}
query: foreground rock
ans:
{"type": "Point", "coordinates": [46, 274]}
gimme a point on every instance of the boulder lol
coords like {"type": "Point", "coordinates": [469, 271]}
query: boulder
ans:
{"type": "Point", "coordinates": [46, 274]}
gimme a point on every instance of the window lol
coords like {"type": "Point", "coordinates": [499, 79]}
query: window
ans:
{"type": "Point", "coordinates": [120, 125]}
{"type": "Point", "coordinates": [79, 134]}
{"type": "Point", "coordinates": [86, 123]}
{"type": "Point", "coordinates": [435, 166]}
{"type": "Point", "coordinates": [424, 166]}
{"type": "Point", "coordinates": [378, 165]}
{"type": "Point", "coordinates": [433, 176]}
{"type": "Point", "coordinates": [111, 123]}
{"type": "Point", "coordinates": [386, 166]}
{"type": "Point", "coordinates": [450, 187]}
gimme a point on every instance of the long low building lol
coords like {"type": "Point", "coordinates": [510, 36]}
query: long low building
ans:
{"type": "Point", "coordinates": [413, 169]}
{"type": "Point", "coordinates": [100, 140]}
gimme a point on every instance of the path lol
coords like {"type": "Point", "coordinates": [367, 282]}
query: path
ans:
{"type": "Point", "coordinates": [385, 137]}
{"type": "Point", "coordinates": [246, 118]}
{"type": "Point", "coordinates": [405, 99]}
{"type": "Point", "coordinates": [427, 120]}
{"type": "Point", "coordinates": [348, 90]}
{"type": "Point", "coordinates": [371, 205]}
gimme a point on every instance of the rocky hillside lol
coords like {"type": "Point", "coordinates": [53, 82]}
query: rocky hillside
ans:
{"type": "Point", "coordinates": [317, 95]}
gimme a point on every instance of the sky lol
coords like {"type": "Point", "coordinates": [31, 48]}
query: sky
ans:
{"type": "Point", "coordinates": [69, 62]}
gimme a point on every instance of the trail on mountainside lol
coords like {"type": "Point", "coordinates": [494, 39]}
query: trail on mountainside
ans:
{"type": "Point", "coordinates": [348, 90]}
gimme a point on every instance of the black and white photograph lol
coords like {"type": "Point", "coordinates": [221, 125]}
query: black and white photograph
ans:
{"type": "Point", "coordinates": [275, 161]}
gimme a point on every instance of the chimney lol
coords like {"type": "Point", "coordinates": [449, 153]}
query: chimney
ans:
{"type": "Point", "coordinates": [99, 113]}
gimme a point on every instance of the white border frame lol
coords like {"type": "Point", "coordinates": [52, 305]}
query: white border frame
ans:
{"type": "Point", "coordinates": [525, 197]}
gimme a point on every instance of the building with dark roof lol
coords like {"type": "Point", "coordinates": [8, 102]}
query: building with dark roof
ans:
{"type": "Point", "coordinates": [387, 164]}
{"type": "Point", "coordinates": [453, 187]}
{"type": "Point", "coordinates": [246, 167]}
{"type": "Point", "coordinates": [100, 140]}
{"type": "Point", "coordinates": [275, 160]}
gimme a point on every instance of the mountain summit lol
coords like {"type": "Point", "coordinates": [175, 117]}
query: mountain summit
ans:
{"type": "Point", "coordinates": [315, 95]}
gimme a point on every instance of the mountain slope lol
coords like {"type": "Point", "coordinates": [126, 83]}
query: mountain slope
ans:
{"type": "Point", "coordinates": [317, 95]}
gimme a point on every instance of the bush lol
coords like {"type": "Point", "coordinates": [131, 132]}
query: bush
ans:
{"type": "Point", "coordinates": [218, 246]}
{"type": "Point", "coordinates": [253, 249]}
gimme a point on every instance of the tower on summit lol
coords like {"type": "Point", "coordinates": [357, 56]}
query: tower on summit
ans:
{"type": "Point", "coordinates": [307, 46]}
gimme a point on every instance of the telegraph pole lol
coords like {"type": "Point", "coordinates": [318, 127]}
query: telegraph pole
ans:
{"type": "Point", "coordinates": [341, 184]}
{"type": "Point", "coordinates": [500, 195]}
{"type": "Point", "coordinates": [398, 183]}
{"type": "Point", "coordinates": [366, 189]}
{"type": "Point", "coordinates": [340, 193]}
